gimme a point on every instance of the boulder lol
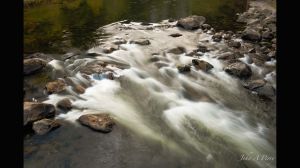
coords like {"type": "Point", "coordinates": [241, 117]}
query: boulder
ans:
{"type": "Point", "coordinates": [177, 50]}
{"type": "Point", "coordinates": [251, 35]}
{"type": "Point", "coordinates": [98, 122]}
{"type": "Point", "coordinates": [55, 86]}
{"type": "Point", "coordinates": [203, 65]}
{"type": "Point", "coordinates": [43, 126]}
{"type": "Point", "coordinates": [183, 68]}
{"type": "Point", "coordinates": [140, 42]}
{"type": "Point", "coordinates": [33, 65]}
{"type": "Point", "coordinates": [191, 23]}
{"type": "Point", "coordinates": [64, 104]}
{"type": "Point", "coordinates": [33, 111]}
{"type": "Point", "coordinates": [239, 69]}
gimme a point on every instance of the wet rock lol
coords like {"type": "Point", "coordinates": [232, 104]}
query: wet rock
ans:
{"type": "Point", "coordinates": [33, 65]}
{"type": "Point", "coordinates": [171, 20]}
{"type": "Point", "coordinates": [154, 59]}
{"type": "Point", "coordinates": [217, 37]}
{"type": "Point", "coordinates": [267, 35]}
{"type": "Point", "coordinates": [79, 89]}
{"type": "Point", "coordinates": [258, 59]}
{"type": "Point", "coordinates": [272, 27]}
{"type": "Point", "coordinates": [184, 68]}
{"type": "Point", "coordinates": [109, 49]}
{"type": "Point", "coordinates": [203, 65]}
{"type": "Point", "coordinates": [272, 54]}
{"type": "Point", "coordinates": [36, 111]}
{"type": "Point", "coordinates": [98, 122]}
{"type": "Point", "coordinates": [205, 26]}
{"type": "Point", "coordinates": [274, 41]}
{"type": "Point", "coordinates": [140, 42]}
{"type": "Point", "coordinates": [175, 35]}
{"type": "Point", "coordinates": [160, 64]}
{"type": "Point", "coordinates": [251, 35]}
{"type": "Point", "coordinates": [43, 126]}
{"type": "Point", "coordinates": [145, 24]}
{"type": "Point", "coordinates": [227, 36]}
{"type": "Point", "coordinates": [177, 50]}
{"type": "Point", "coordinates": [93, 67]}
{"type": "Point", "coordinates": [234, 44]}
{"type": "Point", "coordinates": [254, 84]}
{"type": "Point", "coordinates": [202, 48]}
{"type": "Point", "coordinates": [265, 44]}
{"type": "Point", "coordinates": [119, 41]}
{"type": "Point", "coordinates": [191, 23]}
{"type": "Point", "coordinates": [126, 22]}
{"type": "Point", "coordinates": [64, 104]}
{"type": "Point", "coordinates": [55, 86]}
{"type": "Point", "coordinates": [239, 69]}
{"type": "Point", "coordinates": [267, 90]}
{"type": "Point", "coordinates": [252, 50]}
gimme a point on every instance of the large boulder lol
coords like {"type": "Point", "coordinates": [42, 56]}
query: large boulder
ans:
{"type": "Point", "coordinates": [36, 111]}
{"type": "Point", "coordinates": [203, 65]}
{"type": "Point", "coordinates": [55, 86]}
{"type": "Point", "coordinates": [191, 23]}
{"type": "Point", "coordinates": [33, 65]}
{"type": "Point", "coordinates": [239, 69]}
{"type": "Point", "coordinates": [251, 35]}
{"type": "Point", "coordinates": [98, 122]}
{"type": "Point", "coordinates": [43, 126]}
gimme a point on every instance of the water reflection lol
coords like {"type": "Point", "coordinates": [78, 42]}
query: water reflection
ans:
{"type": "Point", "coordinates": [57, 27]}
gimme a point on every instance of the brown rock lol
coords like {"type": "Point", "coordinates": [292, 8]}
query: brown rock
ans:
{"type": "Point", "coordinates": [184, 68]}
{"type": "Point", "coordinates": [55, 86]}
{"type": "Point", "coordinates": [36, 111]}
{"type": "Point", "coordinates": [254, 84]}
{"type": "Point", "coordinates": [239, 69]}
{"type": "Point", "coordinates": [43, 126]}
{"type": "Point", "coordinates": [203, 65]}
{"type": "Point", "coordinates": [177, 50]}
{"type": "Point", "coordinates": [64, 104]}
{"type": "Point", "coordinates": [98, 122]}
{"type": "Point", "coordinates": [33, 65]}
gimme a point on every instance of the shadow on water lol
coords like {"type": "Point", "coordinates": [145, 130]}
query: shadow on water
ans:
{"type": "Point", "coordinates": [57, 27]}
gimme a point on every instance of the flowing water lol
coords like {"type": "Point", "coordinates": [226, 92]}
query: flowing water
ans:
{"type": "Point", "coordinates": [164, 118]}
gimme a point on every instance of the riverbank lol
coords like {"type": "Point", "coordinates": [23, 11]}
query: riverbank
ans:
{"type": "Point", "coordinates": [205, 96]}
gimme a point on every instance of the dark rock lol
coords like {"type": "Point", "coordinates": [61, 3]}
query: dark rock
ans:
{"type": "Point", "coordinates": [272, 27]}
{"type": "Point", "coordinates": [154, 59]}
{"type": "Point", "coordinates": [64, 104]}
{"type": "Point", "coordinates": [272, 54]}
{"type": "Point", "coordinates": [202, 48]}
{"type": "Point", "coordinates": [126, 21]}
{"type": "Point", "coordinates": [251, 35]}
{"type": "Point", "coordinates": [191, 23]}
{"type": "Point", "coordinates": [217, 37]}
{"type": "Point", "coordinates": [226, 56]}
{"type": "Point", "coordinates": [258, 59]}
{"type": "Point", "coordinates": [266, 44]}
{"type": "Point", "coordinates": [205, 26]}
{"type": "Point", "coordinates": [36, 111]}
{"type": "Point", "coordinates": [267, 90]}
{"type": "Point", "coordinates": [239, 69]}
{"type": "Point", "coordinates": [145, 24]}
{"type": "Point", "coordinates": [55, 86]}
{"type": "Point", "coordinates": [227, 36]}
{"type": "Point", "coordinates": [252, 50]}
{"type": "Point", "coordinates": [160, 64]}
{"type": "Point", "coordinates": [184, 68]}
{"type": "Point", "coordinates": [98, 122]}
{"type": "Point", "coordinates": [254, 84]}
{"type": "Point", "coordinates": [177, 50]}
{"type": "Point", "coordinates": [108, 50]}
{"type": "Point", "coordinates": [175, 35]}
{"type": "Point", "coordinates": [43, 126]}
{"type": "Point", "coordinates": [230, 32]}
{"type": "Point", "coordinates": [234, 44]}
{"type": "Point", "coordinates": [267, 35]}
{"type": "Point", "coordinates": [171, 20]}
{"type": "Point", "coordinates": [141, 42]}
{"type": "Point", "coordinates": [33, 65]}
{"type": "Point", "coordinates": [119, 41]}
{"type": "Point", "coordinates": [203, 65]}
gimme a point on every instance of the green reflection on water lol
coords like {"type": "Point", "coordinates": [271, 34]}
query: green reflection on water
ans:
{"type": "Point", "coordinates": [56, 27]}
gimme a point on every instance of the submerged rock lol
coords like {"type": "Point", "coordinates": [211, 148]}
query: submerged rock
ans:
{"type": "Point", "coordinates": [239, 69]}
{"type": "Point", "coordinates": [64, 104]}
{"type": "Point", "coordinates": [36, 111]}
{"type": "Point", "coordinates": [140, 42]}
{"type": "Point", "coordinates": [184, 68]}
{"type": "Point", "coordinates": [43, 126]}
{"type": "Point", "coordinates": [203, 65]}
{"type": "Point", "coordinates": [191, 22]}
{"type": "Point", "coordinates": [177, 50]}
{"type": "Point", "coordinates": [55, 86]}
{"type": "Point", "coordinates": [33, 65]}
{"type": "Point", "coordinates": [98, 122]}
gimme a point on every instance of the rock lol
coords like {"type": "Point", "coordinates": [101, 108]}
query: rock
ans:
{"type": "Point", "coordinates": [272, 54]}
{"type": "Point", "coordinates": [55, 86]}
{"type": "Point", "coordinates": [267, 90]}
{"type": "Point", "coordinates": [43, 126]}
{"type": "Point", "coordinates": [154, 59]}
{"type": "Point", "coordinates": [36, 111]}
{"type": "Point", "coordinates": [258, 59]}
{"type": "Point", "coordinates": [93, 67]}
{"type": "Point", "coordinates": [254, 84]}
{"type": "Point", "coordinates": [239, 69]}
{"type": "Point", "coordinates": [98, 122]}
{"type": "Point", "coordinates": [274, 41]}
{"type": "Point", "coordinates": [251, 35]}
{"type": "Point", "coordinates": [140, 42]}
{"type": "Point", "coordinates": [125, 21]}
{"type": "Point", "coordinates": [110, 76]}
{"type": "Point", "coordinates": [177, 50]}
{"type": "Point", "coordinates": [64, 104]}
{"type": "Point", "coordinates": [203, 65]}
{"type": "Point", "coordinates": [202, 48]}
{"type": "Point", "coordinates": [230, 33]}
{"type": "Point", "coordinates": [108, 50]}
{"type": "Point", "coordinates": [252, 50]}
{"type": "Point", "coordinates": [175, 35]}
{"type": "Point", "coordinates": [33, 65]}
{"type": "Point", "coordinates": [265, 44]}
{"type": "Point", "coordinates": [267, 35]}
{"type": "Point", "coordinates": [119, 41]}
{"type": "Point", "coordinates": [145, 24]}
{"type": "Point", "coordinates": [183, 68]}
{"type": "Point", "coordinates": [171, 20]}
{"type": "Point", "coordinates": [205, 26]}
{"type": "Point", "coordinates": [79, 89]}
{"type": "Point", "coordinates": [160, 64]}
{"type": "Point", "coordinates": [191, 23]}
{"type": "Point", "coordinates": [234, 44]}
{"type": "Point", "coordinates": [227, 36]}
{"type": "Point", "coordinates": [217, 37]}
{"type": "Point", "coordinates": [272, 27]}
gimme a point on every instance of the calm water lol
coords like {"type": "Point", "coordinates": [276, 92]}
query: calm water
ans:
{"type": "Point", "coordinates": [57, 27]}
